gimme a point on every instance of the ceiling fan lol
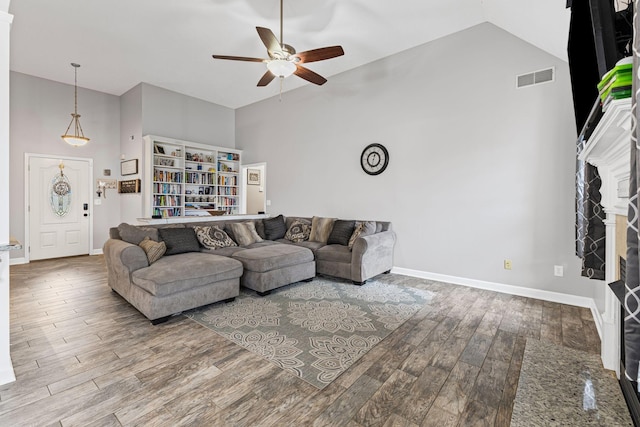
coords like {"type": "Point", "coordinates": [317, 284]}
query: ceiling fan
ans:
{"type": "Point", "coordinates": [283, 59]}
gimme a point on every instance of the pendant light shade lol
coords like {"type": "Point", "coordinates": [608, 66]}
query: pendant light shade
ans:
{"type": "Point", "coordinates": [76, 139]}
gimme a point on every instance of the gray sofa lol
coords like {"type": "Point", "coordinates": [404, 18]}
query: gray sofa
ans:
{"type": "Point", "coordinates": [179, 282]}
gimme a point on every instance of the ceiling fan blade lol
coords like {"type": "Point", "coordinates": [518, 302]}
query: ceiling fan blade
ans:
{"type": "Point", "coordinates": [320, 54]}
{"type": "Point", "coordinates": [269, 39]}
{"type": "Point", "coordinates": [266, 79]}
{"type": "Point", "coordinates": [239, 58]}
{"type": "Point", "coordinates": [309, 75]}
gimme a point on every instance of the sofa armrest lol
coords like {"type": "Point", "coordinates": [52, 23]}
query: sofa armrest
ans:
{"type": "Point", "coordinates": [122, 259]}
{"type": "Point", "coordinates": [372, 255]}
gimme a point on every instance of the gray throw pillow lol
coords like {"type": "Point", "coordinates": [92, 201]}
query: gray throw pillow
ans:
{"type": "Point", "coordinates": [274, 228]}
{"type": "Point", "coordinates": [213, 237]}
{"type": "Point", "coordinates": [134, 234]}
{"type": "Point", "coordinates": [341, 233]}
{"type": "Point", "coordinates": [363, 228]}
{"type": "Point", "coordinates": [179, 240]}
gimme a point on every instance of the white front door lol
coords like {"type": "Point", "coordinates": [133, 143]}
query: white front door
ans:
{"type": "Point", "coordinates": [58, 207]}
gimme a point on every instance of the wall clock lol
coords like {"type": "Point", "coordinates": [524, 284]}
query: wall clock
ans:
{"type": "Point", "coordinates": [374, 159]}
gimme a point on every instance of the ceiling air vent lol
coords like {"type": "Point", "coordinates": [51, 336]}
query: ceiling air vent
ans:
{"type": "Point", "coordinates": [536, 77]}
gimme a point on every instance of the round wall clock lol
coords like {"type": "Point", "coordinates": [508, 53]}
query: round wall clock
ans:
{"type": "Point", "coordinates": [374, 159]}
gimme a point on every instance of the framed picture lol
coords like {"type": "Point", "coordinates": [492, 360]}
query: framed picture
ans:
{"type": "Point", "coordinates": [129, 167]}
{"type": "Point", "coordinates": [253, 176]}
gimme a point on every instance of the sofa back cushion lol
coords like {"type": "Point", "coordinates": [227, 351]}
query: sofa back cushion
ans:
{"type": "Point", "coordinates": [179, 240]}
{"type": "Point", "coordinates": [134, 234]}
{"type": "Point", "coordinates": [274, 228]}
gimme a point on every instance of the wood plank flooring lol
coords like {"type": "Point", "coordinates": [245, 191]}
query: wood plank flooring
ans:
{"type": "Point", "coordinates": [85, 357]}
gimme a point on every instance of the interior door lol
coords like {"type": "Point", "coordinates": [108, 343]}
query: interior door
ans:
{"type": "Point", "coordinates": [59, 196]}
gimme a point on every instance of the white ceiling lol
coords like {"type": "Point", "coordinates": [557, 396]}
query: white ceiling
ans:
{"type": "Point", "coordinates": [169, 43]}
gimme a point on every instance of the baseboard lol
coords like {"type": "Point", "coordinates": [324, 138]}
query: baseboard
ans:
{"type": "Point", "coordinates": [17, 261]}
{"type": "Point", "coordinates": [96, 252]}
{"type": "Point", "coordinates": [506, 289]}
{"type": "Point", "coordinates": [597, 318]}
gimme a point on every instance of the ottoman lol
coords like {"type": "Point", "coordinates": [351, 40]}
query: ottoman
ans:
{"type": "Point", "coordinates": [270, 267]}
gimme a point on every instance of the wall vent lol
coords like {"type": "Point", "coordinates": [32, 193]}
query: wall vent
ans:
{"type": "Point", "coordinates": [536, 77]}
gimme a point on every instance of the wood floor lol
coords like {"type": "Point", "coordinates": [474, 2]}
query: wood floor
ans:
{"type": "Point", "coordinates": [84, 357]}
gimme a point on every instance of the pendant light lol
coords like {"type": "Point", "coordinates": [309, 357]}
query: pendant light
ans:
{"type": "Point", "coordinates": [76, 139]}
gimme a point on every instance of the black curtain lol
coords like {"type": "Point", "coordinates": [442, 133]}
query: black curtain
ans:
{"type": "Point", "coordinates": [585, 75]}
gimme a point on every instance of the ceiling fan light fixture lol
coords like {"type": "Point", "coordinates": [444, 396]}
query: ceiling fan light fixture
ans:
{"type": "Point", "coordinates": [281, 67]}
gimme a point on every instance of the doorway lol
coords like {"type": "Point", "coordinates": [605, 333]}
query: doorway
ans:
{"type": "Point", "coordinates": [58, 211]}
{"type": "Point", "coordinates": [254, 188]}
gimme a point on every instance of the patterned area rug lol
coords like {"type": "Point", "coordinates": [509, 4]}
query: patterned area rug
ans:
{"type": "Point", "coordinates": [314, 330]}
{"type": "Point", "coordinates": [560, 386]}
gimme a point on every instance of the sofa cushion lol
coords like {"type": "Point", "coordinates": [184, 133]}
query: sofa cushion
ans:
{"type": "Point", "coordinates": [179, 240]}
{"type": "Point", "coordinates": [169, 275]}
{"type": "Point", "coordinates": [228, 251]}
{"type": "Point", "coordinates": [334, 253]}
{"type": "Point", "coordinates": [341, 232]}
{"type": "Point", "coordinates": [321, 228]}
{"type": "Point", "coordinates": [134, 234]}
{"type": "Point", "coordinates": [274, 228]}
{"type": "Point", "coordinates": [299, 231]}
{"type": "Point", "coordinates": [363, 228]}
{"type": "Point", "coordinates": [244, 233]}
{"type": "Point", "coordinates": [314, 246]}
{"type": "Point", "coordinates": [212, 237]}
{"type": "Point", "coordinates": [153, 249]}
{"type": "Point", "coordinates": [272, 257]}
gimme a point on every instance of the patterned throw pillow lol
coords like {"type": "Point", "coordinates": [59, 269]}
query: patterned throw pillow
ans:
{"type": "Point", "coordinates": [153, 249]}
{"type": "Point", "coordinates": [320, 229]}
{"type": "Point", "coordinates": [341, 233]}
{"type": "Point", "coordinates": [363, 228]}
{"type": "Point", "coordinates": [213, 237]}
{"type": "Point", "coordinates": [274, 228]}
{"type": "Point", "coordinates": [244, 233]}
{"type": "Point", "coordinates": [299, 231]}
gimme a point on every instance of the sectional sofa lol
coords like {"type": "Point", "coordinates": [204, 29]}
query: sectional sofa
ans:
{"type": "Point", "coordinates": [164, 269]}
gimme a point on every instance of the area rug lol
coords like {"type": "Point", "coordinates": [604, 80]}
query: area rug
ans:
{"type": "Point", "coordinates": [314, 330]}
{"type": "Point", "coordinates": [560, 386]}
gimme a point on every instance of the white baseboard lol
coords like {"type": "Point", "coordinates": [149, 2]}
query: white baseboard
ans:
{"type": "Point", "coordinates": [509, 289]}
{"type": "Point", "coordinates": [17, 261]}
{"type": "Point", "coordinates": [96, 252]}
{"type": "Point", "coordinates": [597, 318]}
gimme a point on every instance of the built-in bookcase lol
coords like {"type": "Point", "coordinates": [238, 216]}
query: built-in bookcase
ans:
{"type": "Point", "coordinates": [185, 179]}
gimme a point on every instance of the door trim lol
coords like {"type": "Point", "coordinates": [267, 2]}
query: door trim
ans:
{"type": "Point", "coordinates": [27, 236]}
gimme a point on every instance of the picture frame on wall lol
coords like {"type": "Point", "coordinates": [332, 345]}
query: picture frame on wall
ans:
{"type": "Point", "coordinates": [253, 176]}
{"type": "Point", "coordinates": [129, 167]}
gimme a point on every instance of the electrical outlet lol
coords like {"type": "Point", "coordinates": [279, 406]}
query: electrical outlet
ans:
{"type": "Point", "coordinates": [558, 270]}
{"type": "Point", "coordinates": [507, 264]}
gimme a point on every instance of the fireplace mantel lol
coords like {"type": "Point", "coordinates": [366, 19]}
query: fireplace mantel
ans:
{"type": "Point", "coordinates": [609, 149]}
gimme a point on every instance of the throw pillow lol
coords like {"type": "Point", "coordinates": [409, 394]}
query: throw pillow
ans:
{"type": "Point", "coordinates": [260, 228]}
{"type": "Point", "coordinates": [363, 228]}
{"type": "Point", "coordinates": [179, 240]}
{"type": "Point", "coordinates": [244, 233]}
{"type": "Point", "coordinates": [213, 237]}
{"type": "Point", "coordinates": [274, 228]}
{"type": "Point", "coordinates": [153, 249]}
{"type": "Point", "coordinates": [134, 235]}
{"type": "Point", "coordinates": [341, 233]}
{"type": "Point", "coordinates": [299, 231]}
{"type": "Point", "coordinates": [320, 229]}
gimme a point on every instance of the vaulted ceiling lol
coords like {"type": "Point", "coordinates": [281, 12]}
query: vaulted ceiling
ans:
{"type": "Point", "coordinates": [169, 43]}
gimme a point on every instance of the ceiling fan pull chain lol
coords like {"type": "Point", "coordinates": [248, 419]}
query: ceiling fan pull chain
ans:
{"type": "Point", "coordinates": [281, 36]}
{"type": "Point", "coordinates": [281, 81]}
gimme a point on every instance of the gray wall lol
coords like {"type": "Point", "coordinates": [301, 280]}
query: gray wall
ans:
{"type": "Point", "coordinates": [40, 113]}
{"type": "Point", "coordinates": [131, 147]}
{"type": "Point", "coordinates": [480, 171]}
{"type": "Point", "coordinates": [173, 115]}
